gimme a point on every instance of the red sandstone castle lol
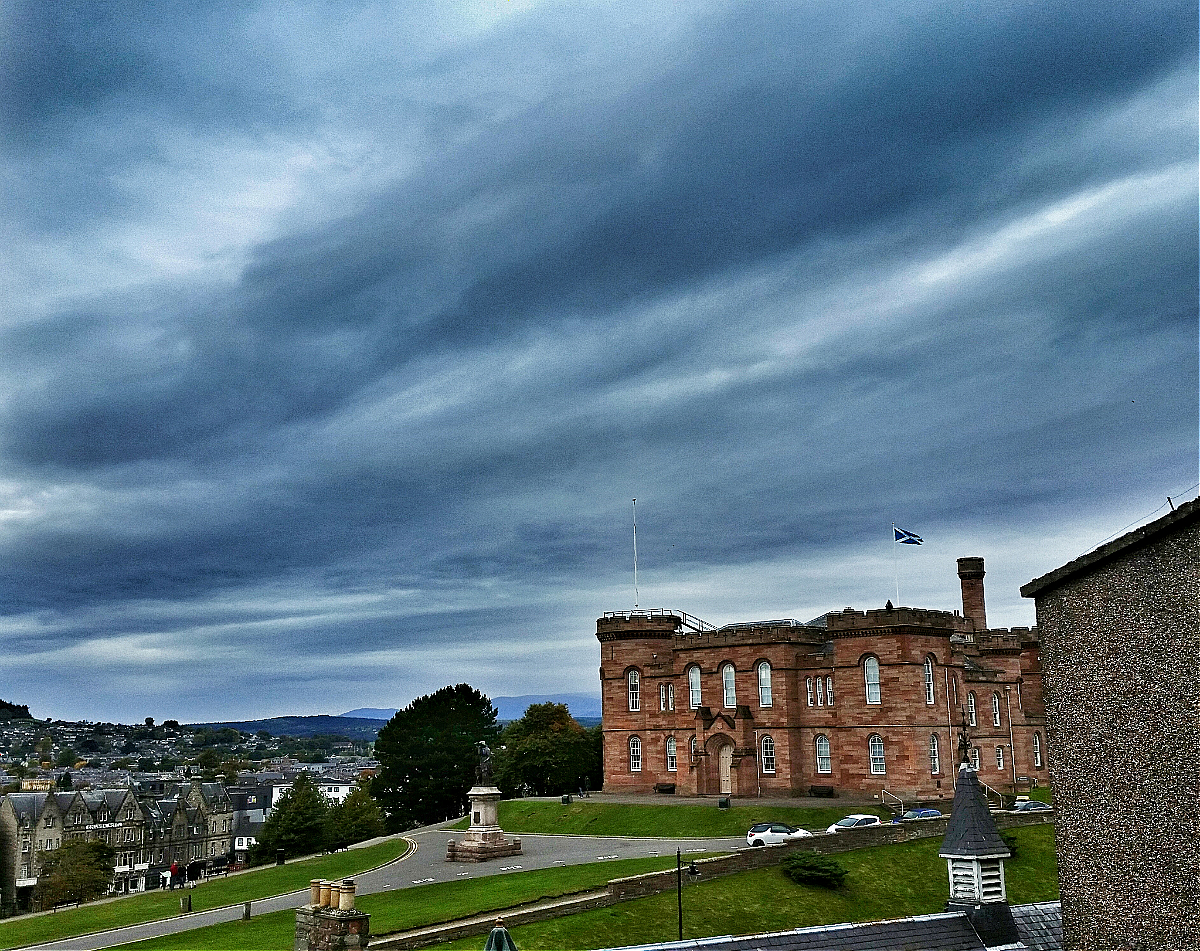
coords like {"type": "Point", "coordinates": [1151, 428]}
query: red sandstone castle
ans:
{"type": "Point", "coordinates": [865, 703]}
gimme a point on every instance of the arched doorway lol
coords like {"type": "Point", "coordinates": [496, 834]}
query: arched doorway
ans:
{"type": "Point", "coordinates": [725, 764]}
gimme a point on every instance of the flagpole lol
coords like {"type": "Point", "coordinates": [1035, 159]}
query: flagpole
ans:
{"type": "Point", "coordinates": [635, 584]}
{"type": "Point", "coordinates": [895, 565]}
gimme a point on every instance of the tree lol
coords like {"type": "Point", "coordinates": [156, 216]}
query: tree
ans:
{"type": "Point", "coordinates": [427, 756]}
{"type": "Point", "coordinates": [65, 782]}
{"type": "Point", "coordinates": [150, 721]}
{"type": "Point", "coordinates": [74, 872]}
{"type": "Point", "coordinates": [547, 752]}
{"type": "Point", "coordinates": [296, 823]}
{"type": "Point", "coordinates": [66, 757]}
{"type": "Point", "coordinates": [355, 818]}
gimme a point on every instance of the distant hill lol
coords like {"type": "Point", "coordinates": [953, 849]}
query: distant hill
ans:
{"type": "Point", "coordinates": [582, 706]}
{"type": "Point", "coordinates": [353, 728]}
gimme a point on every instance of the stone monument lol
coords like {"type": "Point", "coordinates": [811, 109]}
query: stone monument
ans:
{"type": "Point", "coordinates": [484, 839]}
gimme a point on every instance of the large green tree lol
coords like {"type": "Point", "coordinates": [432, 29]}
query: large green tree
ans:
{"type": "Point", "coordinates": [74, 872]}
{"type": "Point", "coordinates": [547, 752]}
{"type": "Point", "coordinates": [297, 823]}
{"type": "Point", "coordinates": [354, 819]}
{"type": "Point", "coordinates": [427, 756]}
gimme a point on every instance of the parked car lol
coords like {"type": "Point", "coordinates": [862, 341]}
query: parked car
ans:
{"type": "Point", "coordinates": [912, 814]}
{"type": "Point", "coordinates": [772, 833]}
{"type": "Point", "coordinates": [1031, 805]}
{"type": "Point", "coordinates": [855, 821]}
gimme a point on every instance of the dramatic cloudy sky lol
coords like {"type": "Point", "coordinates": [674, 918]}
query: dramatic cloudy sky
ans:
{"type": "Point", "coordinates": [337, 338]}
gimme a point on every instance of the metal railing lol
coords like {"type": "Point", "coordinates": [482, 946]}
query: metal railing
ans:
{"type": "Point", "coordinates": [884, 796]}
{"type": "Point", "coordinates": [686, 620]}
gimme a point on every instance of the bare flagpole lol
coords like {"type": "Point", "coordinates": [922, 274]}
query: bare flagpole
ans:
{"type": "Point", "coordinates": [635, 584]}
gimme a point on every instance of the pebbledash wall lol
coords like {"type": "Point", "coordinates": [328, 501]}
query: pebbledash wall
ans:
{"type": "Point", "coordinates": [857, 702]}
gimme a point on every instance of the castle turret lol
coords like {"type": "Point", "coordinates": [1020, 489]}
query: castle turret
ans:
{"type": "Point", "coordinates": [970, 574]}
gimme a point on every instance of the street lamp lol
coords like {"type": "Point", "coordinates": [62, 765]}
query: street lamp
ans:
{"type": "Point", "coordinates": [693, 872]}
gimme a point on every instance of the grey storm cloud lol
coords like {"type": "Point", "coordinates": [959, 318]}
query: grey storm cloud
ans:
{"type": "Point", "coordinates": [367, 324]}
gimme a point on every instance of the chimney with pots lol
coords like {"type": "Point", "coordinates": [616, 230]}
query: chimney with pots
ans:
{"type": "Point", "coordinates": [970, 573]}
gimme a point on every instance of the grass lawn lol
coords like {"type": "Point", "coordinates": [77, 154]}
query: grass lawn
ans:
{"type": "Point", "coordinates": [421, 905]}
{"type": "Point", "coordinates": [581, 817]}
{"type": "Point", "coordinates": [890, 881]}
{"type": "Point", "coordinates": [150, 906]}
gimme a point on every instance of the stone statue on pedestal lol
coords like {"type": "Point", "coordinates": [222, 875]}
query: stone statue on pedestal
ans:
{"type": "Point", "coordinates": [483, 770]}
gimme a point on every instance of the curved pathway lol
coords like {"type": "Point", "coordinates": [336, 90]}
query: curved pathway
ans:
{"type": "Point", "coordinates": [424, 864]}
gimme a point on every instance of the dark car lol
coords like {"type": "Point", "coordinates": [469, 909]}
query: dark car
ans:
{"type": "Point", "coordinates": [913, 814]}
{"type": "Point", "coordinates": [1032, 805]}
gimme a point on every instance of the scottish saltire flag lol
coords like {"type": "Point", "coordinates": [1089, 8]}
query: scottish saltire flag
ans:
{"type": "Point", "coordinates": [906, 538]}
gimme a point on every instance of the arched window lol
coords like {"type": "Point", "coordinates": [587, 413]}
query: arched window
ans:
{"type": "Point", "coordinates": [824, 760]}
{"type": "Point", "coordinates": [929, 680]}
{"type": "Point", "coordinates": [871, 676]}
{"type": "Point", "coordinates": [935, 760]}
{"type": "Point", "coordinates": [971, 709]}
{"type": "Point", "coordinates": [634, 681]}
{"type": "Point", "coordinates": [666, 696]}
{"type": "Point", "coordinates": [635, 754]}
{"type": "Point", "coordinates": [727, 688]}
{"type": "Point", "coordinates": [672, 760]}
{"type": "Point", "coordinates": [764, 684]}
{"type": "Point", "coordinates": [693, 686]}
{"type": "Point", "coordinates": [1037, 750]}
{"type": "Point", "coordinates": [829, 690]}
{"type": "Point", "coordinates": [999, 757]}
{"type": "Point", "coordinates": [768, 754]}
{"type": "Point", "coordinates": [995, 709]}
{"type": "Point", "coordinates": [692, 747]}
{"type": "Point", "coordinates": [820, 691]}
{"type": "Point", "coordinates": [975, 758]}
{"type": "Point", "coordinates": [808, 686]}
{"type": "Point", "coordinates": [875, 748]}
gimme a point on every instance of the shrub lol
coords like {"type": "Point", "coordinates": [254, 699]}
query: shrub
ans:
{"type": "Point", "coordinates": [1010, 839]}
{"type": "Point", "coordinates": [818, 870]}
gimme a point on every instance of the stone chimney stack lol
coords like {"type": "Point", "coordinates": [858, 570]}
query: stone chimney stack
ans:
{"type": "Point", "coordinates": [970, 573]}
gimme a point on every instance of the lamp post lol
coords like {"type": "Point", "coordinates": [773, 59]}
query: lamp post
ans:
{"type": "Point", "coordinates": [693, 872]}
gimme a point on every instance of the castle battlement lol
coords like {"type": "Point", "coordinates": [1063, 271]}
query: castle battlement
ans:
{"type": "Point", "coordinates": [852, 621]}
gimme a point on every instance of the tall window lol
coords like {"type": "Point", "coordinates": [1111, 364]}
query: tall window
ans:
{"type": "Point", "coordinates": [666, 696]}
{"type": "Point", "coordinates": [764, 684]}
{"type": "Point", "coordinates": [829, 690]}
{"type": "Point", "coordinates": [999, 757]}
{"type": "Point", "coordinates": [820, 691]}
{"type": "Point", "coordinates": [1037, 750]}
{"type": "Point", "coordinates": [971, 709]}
{"type": "Point", "coordinates": [727, 688]}
{"type": "Point", "coordinates": [635, 754]}
{"type": "Point", "coordinates": [875, 748]}
{"type": "Point", "coordinates": [634, 682]}
{"type": "Point", "coordinates": [693, 687]}
{"type": "Point", "coordinates": [670, 696]}
{"type": "Point", "coordinates": [929, 680]}
{"type": "Point", "coordinates": [995, 709]}
{"type": "Point", "coordinates": [672, 759]}
{"type": "Point", "coordinates": [824, 760]}
{"type": "Point", "coordinates": [809, 687]}
{"type": "Point", "coordinates": [975, 758]}
{"type": "Point", "coordinates": [768, 754]}
{"type": "Point", "coordinates": [871, 676]}
{"type": "Point", "coordinates": [692, 747]}
{"type": "Point", "coordinates": [935, 760]}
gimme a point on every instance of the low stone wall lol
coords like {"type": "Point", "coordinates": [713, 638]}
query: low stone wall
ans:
{"type": "Point", "coordinates": [652, 883]}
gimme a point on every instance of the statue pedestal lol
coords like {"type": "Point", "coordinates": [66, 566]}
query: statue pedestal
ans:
{"type": "Point", "coordinates": [484, 839]}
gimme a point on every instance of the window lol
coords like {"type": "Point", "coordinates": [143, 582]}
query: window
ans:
{"type": "Point", "coordinates": [693, 687]}
{"type": "Point", "coordinates": [768, 754]}
{"type": "Point", "coordinates": [971, 709]}
{"type": "Point", "coordinates": [692, 747]}
{"type": "Point", "coordinates": [672, 760]}
{"type": "Point", "coordinates": [975, 758]}
{"type": "Point", "coordinates": [935, 761]}
{"type": "Point", "coordinates": [1037, 750]}
{"type": "Point", "coordinates": [829, 690]}
{"type": "Point", "coordinates": [999, 757]}
{"type": "Point", "coordinates": [809, 687]}
{"type": "Point", "coordinates": [871, 676]}
{"type": "Point", "coordinates": [670, 696]}
{"type": "Point", "coordinates": [820, 691]}
{"type": "Point", "coordinates": [635, 754]}
{"type": "Point", "coordinates": [727, 687]}
{"type": "Point", "coordinates": [929, 680]}
{"type": "Point", "coordinates": [824, 761]}
{"type": "Point", "coordinates": [634, 680]}
{"type": "Point", "coordinates": [995, 709]}
{"type": "Point", "coordinates": [764, 684]}
{"type": "Point", "coordinates": [875, 748]}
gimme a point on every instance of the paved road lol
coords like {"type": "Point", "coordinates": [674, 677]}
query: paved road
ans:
{"type": "Point", "coordinates": [424, 864]}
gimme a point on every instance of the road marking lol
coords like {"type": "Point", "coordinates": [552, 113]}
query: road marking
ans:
{"type": "Point", "coordinates": [462, 874]}
{"type": "Point", "coordinates": [601, 858]}
{"type": "Point", "coordinates": [421, 881]}
{"type": "Point", "coordinates": [695, 850]}
{"type": "Point", "coordinates": [509, 868]}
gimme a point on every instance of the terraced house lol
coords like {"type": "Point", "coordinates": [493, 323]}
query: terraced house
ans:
{"type": "Point", "coordinates": [866, 702]}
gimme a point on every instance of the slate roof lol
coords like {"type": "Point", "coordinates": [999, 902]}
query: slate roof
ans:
{"type": "Point", "coordinates": [1039, 926]}
{"type": "Point", "coordinates": [971, 832]}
